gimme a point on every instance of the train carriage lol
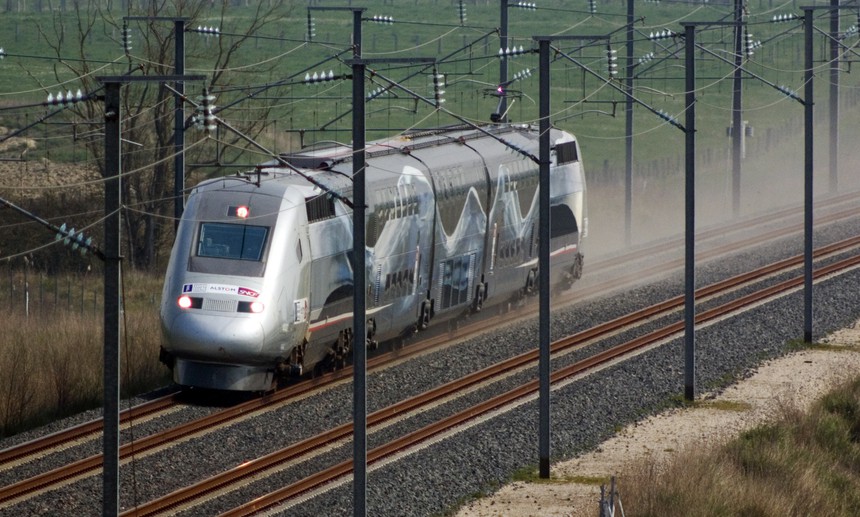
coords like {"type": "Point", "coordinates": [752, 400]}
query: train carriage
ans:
{"type": "Point", "coordinates": [260, 277]}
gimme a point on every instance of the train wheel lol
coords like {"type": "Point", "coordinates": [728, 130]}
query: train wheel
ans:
{"type": "Point", "coordinates": [530, 282]}
{"type": "Point", "coordinates": [424, 318]}
{"type": "Point", "coordinates": [342, 348]}
{"type": "Point", "coordinates": [480, 292]}
{"type": "Point", "coordinates": [323, 366]}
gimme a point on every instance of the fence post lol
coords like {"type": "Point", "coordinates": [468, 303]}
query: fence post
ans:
{"type": "Point", "coordinates": [26, 292]}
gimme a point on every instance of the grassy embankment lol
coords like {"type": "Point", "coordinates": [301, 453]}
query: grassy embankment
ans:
{"type": "Point", "coordinates": [53, 364]}
{"type": "Point", "coordinates": [800, 464]}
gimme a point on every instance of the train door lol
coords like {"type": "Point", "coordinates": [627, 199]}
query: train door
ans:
{"type": "Point", "coordinates": [461, 197]}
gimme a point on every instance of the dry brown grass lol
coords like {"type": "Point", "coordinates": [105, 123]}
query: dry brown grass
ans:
{"type": "Point", "coordinates": [51, 367]}
{"type": "Point", "coordinates": [803, 464]}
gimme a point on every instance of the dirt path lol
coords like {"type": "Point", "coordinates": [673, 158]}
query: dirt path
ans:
{"type": "Point", "coordinates": [796, 379]}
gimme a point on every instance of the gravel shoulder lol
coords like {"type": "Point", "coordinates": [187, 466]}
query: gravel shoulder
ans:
{"type": "Point", "coordinates": [797, 379]}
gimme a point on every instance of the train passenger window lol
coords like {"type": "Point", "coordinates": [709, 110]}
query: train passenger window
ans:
{"type": "Point", "coordinates": [456, 281]}
{"type": "Point", "coordinates": [232, 241]}
{"type": "Point", "coordinates": [566, 152]}
{"type": "Point", "coordinates": [320, 207]}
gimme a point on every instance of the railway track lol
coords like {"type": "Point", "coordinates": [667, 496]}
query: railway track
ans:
{"type": "Point", "coordinates": [89, 430]}
{"type": "Point", "coordinates": [92, 465]}
{"type": "Point", "coordinates": [301, 451]}
{"type": "Point", "coordinates": [66, 438]}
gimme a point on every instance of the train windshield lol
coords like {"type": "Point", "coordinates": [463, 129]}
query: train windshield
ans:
{"type": "Point", "coordinates": [232, 241]}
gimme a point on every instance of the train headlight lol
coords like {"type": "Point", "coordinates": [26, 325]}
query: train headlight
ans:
{"type": "Point", "coordinates": [188, 302]}
{"type": "Point", "coordinates": [252, 307]}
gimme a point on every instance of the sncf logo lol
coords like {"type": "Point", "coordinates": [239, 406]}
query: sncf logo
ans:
{"type": "Point", "coordinates": [244, 291]}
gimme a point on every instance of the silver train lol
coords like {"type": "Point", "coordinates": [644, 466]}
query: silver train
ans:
{"type": "Point", "coordinates": [259, 283]}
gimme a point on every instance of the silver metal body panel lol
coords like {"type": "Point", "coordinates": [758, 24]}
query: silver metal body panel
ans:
{"type": "Point", "coordinates": [451, 225]}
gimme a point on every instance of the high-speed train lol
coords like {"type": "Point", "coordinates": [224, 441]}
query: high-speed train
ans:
{"type": "Point", "coordinates": [259, 283]}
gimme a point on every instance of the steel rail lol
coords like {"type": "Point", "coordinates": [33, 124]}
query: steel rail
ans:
{"type": "Point", "coordinates": [417, 437]}
{"type": "Point", "coordinates": [18, 454]}
{"type": "Point", "coordinates": [63, 437]}
{"type": "Point", "coordinates": [663, 267]}
{"type": "Point", "coordinates": [92, 464]}
{"type": "Point", "coordinates": [719, 231]}
{"type": "Point", "coordinates": [344, 431]}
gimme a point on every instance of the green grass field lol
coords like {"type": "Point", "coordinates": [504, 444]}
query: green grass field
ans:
{"type": "Point", "coordinates": [581, 102]}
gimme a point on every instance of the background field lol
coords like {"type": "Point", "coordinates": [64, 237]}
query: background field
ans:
{"type": "Point", "coordinates": [256, 69]}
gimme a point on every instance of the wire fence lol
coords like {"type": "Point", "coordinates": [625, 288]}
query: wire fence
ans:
{"type": "Point", "coordinates": [35, 294]}
{"type": "Point", "coordinates": [39, 295]}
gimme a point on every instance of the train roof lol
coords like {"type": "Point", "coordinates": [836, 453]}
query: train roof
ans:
{"type": "Point", "coordinates": [322, 166]}
{"type": "Point", "coordinates": [329, 154]}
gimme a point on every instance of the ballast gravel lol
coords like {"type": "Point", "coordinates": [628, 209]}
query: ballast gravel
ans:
{"type": "Point", "coordinates": [476, 460]}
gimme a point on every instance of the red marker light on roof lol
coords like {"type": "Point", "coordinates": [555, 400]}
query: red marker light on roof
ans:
{"type": "Point", "coordinates": [240, 211]}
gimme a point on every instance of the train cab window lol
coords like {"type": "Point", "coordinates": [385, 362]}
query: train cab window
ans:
{"type": "Point", "coordinates": [232, 241]}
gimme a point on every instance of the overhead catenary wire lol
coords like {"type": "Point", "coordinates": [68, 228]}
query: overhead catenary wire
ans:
{"type": "Point", "coordinates": [123, 174]}
{"type": "Point", "coordinates": [601, 87]}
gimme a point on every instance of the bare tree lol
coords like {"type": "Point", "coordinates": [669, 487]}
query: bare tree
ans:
{"type": "Point", "coordinates": [148, 108]}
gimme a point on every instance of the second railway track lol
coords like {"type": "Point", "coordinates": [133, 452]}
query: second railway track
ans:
{"type": "Point", "coordinates": [838, 207]}
{"type": "Point", "coordinates": [343, 431]}
{"type": "Point", "coordinates": [326, 477]}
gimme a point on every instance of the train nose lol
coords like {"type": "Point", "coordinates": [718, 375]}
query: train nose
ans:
{"type": "Point", "coordinates": [216, 338]}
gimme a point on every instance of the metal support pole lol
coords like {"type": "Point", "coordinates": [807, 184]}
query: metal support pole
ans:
{"type": "Point", "coordinates": [359, 273]}
{"type": "Point", "coordinates": [544, 221]}
{"type": "Point", "coordinates": [113, 161]}
{"type": "Point", "coordinates": [737, 109]}
{"type": "Point", "coordinates": [356, 33]}
{"type": "Point", "coordinates": [628, 131]}
{"type": "Point", "coordinates": [359, 419]}
{"type": "Point", "coordinates": [503, 62]}
{"type": "Point", "coordinates": [179, 111]}
{"type": "Point", "coordinates": [807, 183]}
{"type": "Point", "coordinates": [543, 257]}
{"type": "Point", "coordinates": [690, 216]}
{"type": "Point", "coordinates": [112, 257]}
{"type": "Point", "coordinates": [359, 300]}
{"type": "Point", "coordinates": [179, 126]}
{"type": "Point", "coordinates": [834, 96]}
